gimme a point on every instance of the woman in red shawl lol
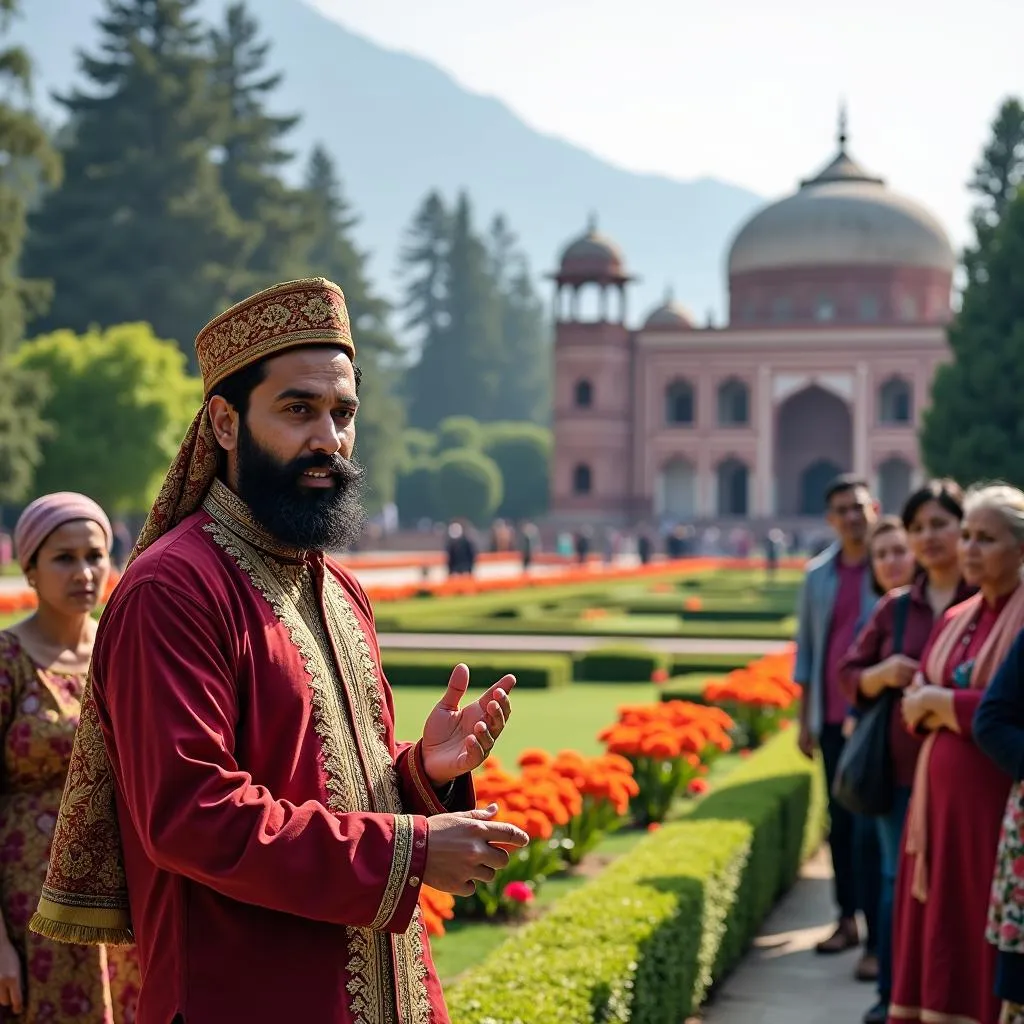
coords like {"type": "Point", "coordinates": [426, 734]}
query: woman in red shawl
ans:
{"type": "Point", "coordinates": [943, 968]}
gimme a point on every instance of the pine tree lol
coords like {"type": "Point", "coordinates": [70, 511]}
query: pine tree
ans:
{"type": "Point", "coordinates": [474, 315]}
{"type": "Point", "coordinates": [524, 356]}
{"type": "Point", "coordinates": [974, 429]}
{"type": "Point", "coordinates": [996, 178]}
{"type": "Point", "coordinates": [333, 254]}
{"type": "Point", "coordinates": [141, 229]}
{"type": "Point", "coordinates": [424, 264]}
{"type": "Point", "coordinates": [26, 159]}
{"type": "Point", "coordinates": [253, 153]}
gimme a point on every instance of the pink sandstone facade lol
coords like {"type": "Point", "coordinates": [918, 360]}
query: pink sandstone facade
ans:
{"type": "Point", "coordinates": [838, 300]}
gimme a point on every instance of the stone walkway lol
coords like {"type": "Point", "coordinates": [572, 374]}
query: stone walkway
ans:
{"type": "Point", "coordinates": [782, 981]}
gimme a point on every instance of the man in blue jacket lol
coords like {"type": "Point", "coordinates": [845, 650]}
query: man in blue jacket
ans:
{"type": "Point", "coordinates": [837, 595]}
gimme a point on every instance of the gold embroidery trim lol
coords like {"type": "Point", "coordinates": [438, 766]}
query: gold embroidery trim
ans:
{"type": "Point", "coordinates": [401, 864]}
{"type": "Point", "coordinates": [330, 723]}
{"type": "Point", "coordinates": [358, 666]}
{"type": "Point", "coordinates": [369, 966]}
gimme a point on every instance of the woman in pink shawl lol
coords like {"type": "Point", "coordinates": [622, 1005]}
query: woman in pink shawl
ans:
{"type": "Point", "coordinates": [943, 968]}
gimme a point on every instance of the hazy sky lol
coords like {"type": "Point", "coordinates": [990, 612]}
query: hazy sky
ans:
{"type": "Point", "coordinates": [742, 90]}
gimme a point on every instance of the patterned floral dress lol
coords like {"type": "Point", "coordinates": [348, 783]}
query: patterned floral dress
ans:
{"type": "Point", "coordinates": [38, 715]}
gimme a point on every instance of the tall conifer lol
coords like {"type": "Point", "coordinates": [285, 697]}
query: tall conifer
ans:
{"type": "Point", "coordinates": [254, 153]}
{"type": "Point", "coordinates": [140, 228]}
{"type": "Point", "coordinates": [332, 253]}
{"type": "Point", "coordinates": [974, 429]}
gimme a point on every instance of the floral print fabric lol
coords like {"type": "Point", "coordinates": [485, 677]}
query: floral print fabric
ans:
{"type": "Point", "coordinates": [39, 711]}
{"type": "Point", "coordinates": [1006, 911]}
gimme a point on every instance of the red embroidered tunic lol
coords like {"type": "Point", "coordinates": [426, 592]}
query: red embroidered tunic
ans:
{"type": "Point", "coordinates": [274, 833]}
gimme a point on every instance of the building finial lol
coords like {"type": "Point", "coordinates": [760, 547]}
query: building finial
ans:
{"type": "Point", "coordinates": [592, 222]}
{"type": "Point", "coordinates": [669, 295]}
{"type": "Point", "coordinates": [843, 126]}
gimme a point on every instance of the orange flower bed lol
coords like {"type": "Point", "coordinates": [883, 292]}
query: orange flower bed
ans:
{"type": "Point", "coordinates": [436, 908]}
{"type": "Point", "coordinates": [14, 601]}
{"type": "Point", "coordinates": [564, 802]}
{"type": "Point", "coordinates": [759, 697]}
{"type": "Point", "coordinates": [669, 745]}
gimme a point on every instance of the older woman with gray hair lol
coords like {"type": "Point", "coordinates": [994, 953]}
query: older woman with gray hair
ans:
{"type": "Point", "coordinates": [943, 968]}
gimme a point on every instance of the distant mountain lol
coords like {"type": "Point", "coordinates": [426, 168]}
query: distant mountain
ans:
{"type": "Point", "coordinates": [399, 126]}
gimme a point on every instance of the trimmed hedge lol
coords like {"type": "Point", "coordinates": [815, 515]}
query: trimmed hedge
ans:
{"type": "Point", "coordinates": [712, 664]}
{"type": "Point", "coordinates": [619, 664]}
{"type": "Point", "coordinates": [646, 940]}
{"type": "Point", "coordinates": [432, 668]}
{"type": "Point", "coordinates": [689, 686]}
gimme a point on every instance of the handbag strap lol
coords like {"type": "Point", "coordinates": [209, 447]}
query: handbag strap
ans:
{"type": "Point", "coordinates": [900, 607]}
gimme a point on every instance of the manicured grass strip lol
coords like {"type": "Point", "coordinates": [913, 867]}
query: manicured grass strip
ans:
{"type": "Point", "coordinates": [647, 938]}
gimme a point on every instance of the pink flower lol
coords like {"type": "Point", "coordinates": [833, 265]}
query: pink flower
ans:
{"type": "Point", "coordinates": [659, 676]}
{"type": "Point", "coordinates": [654, 826]}
{"type": "Point", "coordinates": [518, 892]}
{"type": "Point", "coordinates": [745, 753]}
{"type": "Point", "coordinates": [697, 787]}
{"type": "Point", "coordinates": [40, 963]}
{"type": "Point", "coordinates": [73, 1000]}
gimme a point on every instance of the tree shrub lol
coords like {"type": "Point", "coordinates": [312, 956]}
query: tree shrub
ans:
{"type": "Point", "coordinates": [467, 485]}
{"type": "Point", "coordinates": [459, 432]}
{"type": "Point", "coordinates": [414, 492]}
{"type": "Point", "coordinates": [522, 452]}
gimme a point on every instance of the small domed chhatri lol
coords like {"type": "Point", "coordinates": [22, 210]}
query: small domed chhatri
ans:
{"type": "Point", "coordinates": [669, 316]}
{"type": "Point", "coordinates": [593, 256]}
{"type": "Point", "coordinates": [839, 297]}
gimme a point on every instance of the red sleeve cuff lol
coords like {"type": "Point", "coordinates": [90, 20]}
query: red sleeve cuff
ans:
{"type": "Point", "coordinates": [419, 793]}
{"type": "Point", "coordinates": [408, 862]}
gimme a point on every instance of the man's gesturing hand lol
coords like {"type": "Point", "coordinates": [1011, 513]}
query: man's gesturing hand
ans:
{"type": "Point", "coordinates": [461, 850]}
{"type": "Point", "coordinates": [455, 739]}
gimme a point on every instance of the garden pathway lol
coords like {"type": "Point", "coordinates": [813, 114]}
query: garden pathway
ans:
{"type": "Point", "coordinates": [520, 642]}
{"type": "Point", "coordinates": [782, 981]}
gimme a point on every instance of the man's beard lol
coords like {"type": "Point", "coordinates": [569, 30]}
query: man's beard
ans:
{"type": "Point", "coordinates": [322, 519]}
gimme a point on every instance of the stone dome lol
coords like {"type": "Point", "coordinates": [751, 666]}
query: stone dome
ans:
{"type": "Point", "coordinates": [592, 255]}
{"type": "Point", "coordinates": [843, 216]}
{"type": "Point", "coordinates": [669, 316]}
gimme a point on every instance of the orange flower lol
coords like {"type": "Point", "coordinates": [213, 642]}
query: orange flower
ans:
{"type": "Point", "coordinates": [534, 756]}
{"type": "Point", "coordinates": [436, 907]}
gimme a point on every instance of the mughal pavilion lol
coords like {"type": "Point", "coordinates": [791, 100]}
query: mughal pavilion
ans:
{"type": "Point", "coordinates": [839, 295]}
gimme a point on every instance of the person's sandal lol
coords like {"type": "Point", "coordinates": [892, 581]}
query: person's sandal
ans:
{"type": "Point", "coordinates": [845, 937]}
{"type": "Point", "coordinates": [867, 968]}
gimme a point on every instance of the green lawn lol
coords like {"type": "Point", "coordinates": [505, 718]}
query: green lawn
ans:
{"type": "Point", "coordinates": [556, 719]}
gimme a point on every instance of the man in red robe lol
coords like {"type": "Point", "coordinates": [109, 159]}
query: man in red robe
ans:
{"type": "Point", "coordinates": [237, 803]}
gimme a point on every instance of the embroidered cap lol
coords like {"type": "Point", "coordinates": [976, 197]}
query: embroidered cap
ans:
{"type": "Point", "coordinates": [307, 312]}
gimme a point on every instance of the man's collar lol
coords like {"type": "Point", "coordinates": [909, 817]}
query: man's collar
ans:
{"type": "Point", "coordinates": [227, 508]}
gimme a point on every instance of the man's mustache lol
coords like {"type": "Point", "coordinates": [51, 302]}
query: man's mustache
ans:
{"type": "Point", "coordinates": [347, 471]}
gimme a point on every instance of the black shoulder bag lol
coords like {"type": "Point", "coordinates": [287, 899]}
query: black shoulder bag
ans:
{"type": "Point", "coordinates": [864, 776]}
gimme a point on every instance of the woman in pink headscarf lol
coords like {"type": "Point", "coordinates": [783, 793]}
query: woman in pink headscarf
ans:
{"type": "Point", "coordinates": [63, 544]}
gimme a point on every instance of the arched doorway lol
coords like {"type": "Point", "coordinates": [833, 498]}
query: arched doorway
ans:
{"type": "Point", "coordinates": [733, 488]}
{"type": "Point", "coordinates": [813, 435]}
{"type": "Point", "coordinates": [894, 482]}
{"type": "Point", "coordinates": [814, 481]}
{"type": "Point", "coordinates": [676, 491]}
